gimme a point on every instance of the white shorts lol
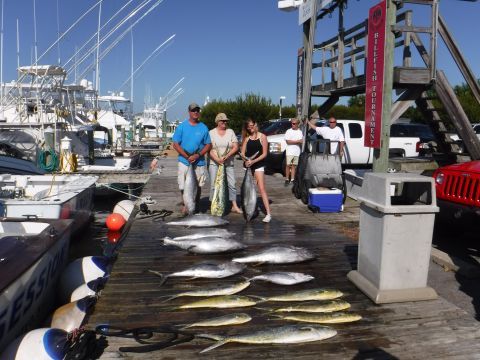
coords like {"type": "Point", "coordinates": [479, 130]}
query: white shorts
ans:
{"type": "Point", "coordinates": [182, 171]}
{"type": "Point", "coordinates": [262, 169]}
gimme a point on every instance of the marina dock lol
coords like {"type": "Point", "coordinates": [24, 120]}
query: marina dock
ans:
{"type": "Point", "coordinates": [133, 297]}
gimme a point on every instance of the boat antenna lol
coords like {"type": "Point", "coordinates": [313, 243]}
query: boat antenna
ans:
{"type": "Point", "coordinates": [68, 30]}
{"type": "Point", "coordinates": [77, 51]}
{"type": "Point", "coordinates": [58, 35]}
{"type": "Point", "coordinates": [18, 47]}
{"type": "Point", "coordinates": [97, 64]}
{"type": "Point", "coordinates": [35, 31]}
{"type": "Point", "coordinates": [1, 67]}
{"type": "Point", "coordinates": [120, 37]}
{"type": "Point", "coordinates": [131, 66]}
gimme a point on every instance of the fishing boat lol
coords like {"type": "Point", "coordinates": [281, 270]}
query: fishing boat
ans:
{"type": "Point", "coordinates": [17, 166]}
{"type": "Point", "coordinates": [47, 197]}
{"type": "Point", "coordinates": [32, 256]}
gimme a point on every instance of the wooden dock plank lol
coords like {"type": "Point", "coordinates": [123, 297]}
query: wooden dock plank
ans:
{"type": "Point", "coordinates": [133, 296]}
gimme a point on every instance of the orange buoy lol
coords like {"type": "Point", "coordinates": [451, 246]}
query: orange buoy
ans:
{"type": "Point", "coordinates": [113, 236]}
{"type": "Point", "coordinates": [115, 222]}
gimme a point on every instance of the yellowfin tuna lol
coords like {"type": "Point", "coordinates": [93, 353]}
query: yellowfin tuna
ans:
{"type": "Point", "coordinates": [228, 289]}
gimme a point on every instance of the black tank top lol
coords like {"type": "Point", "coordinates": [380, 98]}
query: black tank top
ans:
{"type": "Point", "coordinates": [252, 147]}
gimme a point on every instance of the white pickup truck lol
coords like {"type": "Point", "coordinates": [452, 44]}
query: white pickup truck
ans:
{"type": "Point", "coordinates": [355, 152]}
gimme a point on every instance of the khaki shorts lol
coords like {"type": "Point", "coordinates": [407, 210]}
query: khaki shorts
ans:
{"type": "Point", "coordinates": [292, 160]}
{"type": "Point", "coordinates": [182, 171]}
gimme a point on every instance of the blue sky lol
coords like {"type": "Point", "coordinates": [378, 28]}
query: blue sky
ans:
{"type": "Point", "coordinates": [223, 48]}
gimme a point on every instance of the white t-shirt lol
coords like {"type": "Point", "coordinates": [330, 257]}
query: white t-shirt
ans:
{"type": "Point", "coordinates": [293, 150]}
{"type": "Point", "coordinates": [221, 143]}
{"type": "Point", "coordinates": [334, 134]}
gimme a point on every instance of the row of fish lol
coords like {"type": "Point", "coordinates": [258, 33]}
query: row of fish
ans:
{"type": "Point", "coordinates": [220, 244]}
{"type": "Point", "coordinates": [280, 278]}
{"type": "Point", "coordinates": [327, 309]}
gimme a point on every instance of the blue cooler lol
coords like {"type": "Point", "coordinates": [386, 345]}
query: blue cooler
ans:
{"type": "Point", "coordinates": [325, 200]}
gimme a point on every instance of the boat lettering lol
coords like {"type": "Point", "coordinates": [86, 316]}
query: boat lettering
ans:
{"type": "Point", "coordinates": [15, 314]}
{"type": "Point", "coordinates": [30, 297]}
{"type": "Point", "coordinates": [54, 264]}
{"type": "Point", "coordinates": [25, 300]}
{"type": "Point", "coordinates": [41, 283]}
{"type": "Point", "coordinates": [3, 317]}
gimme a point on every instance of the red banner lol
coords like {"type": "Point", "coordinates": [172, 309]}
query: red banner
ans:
{"type": "Point", "coordinates": [374, 74]}
{"type": "Point", "coordinates": [300, 62]}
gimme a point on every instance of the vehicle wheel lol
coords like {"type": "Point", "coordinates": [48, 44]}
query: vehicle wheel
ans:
{"type": "Point", "coordinates": [304, 191]}
{"type": "Point", "coordinates": [284, 164]}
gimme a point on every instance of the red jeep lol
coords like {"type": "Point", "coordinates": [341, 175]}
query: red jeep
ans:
{"type": "Point", "coordinates": [458, 189]}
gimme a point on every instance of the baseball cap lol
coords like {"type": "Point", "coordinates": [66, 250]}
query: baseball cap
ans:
{"type": "Point", "coordinates": [193, 106]}
{"type": "Point", "coordinates": [221, 117]}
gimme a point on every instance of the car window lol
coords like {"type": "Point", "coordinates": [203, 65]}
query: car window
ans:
{"type": "Point", "coordinates": [355, 130]}
{"type": "Point", "coordinates": [279, 127]}
{"type": "Point", "coordinates": [397, 130]}
{"type": "Point", "coordinates": [477, 129]}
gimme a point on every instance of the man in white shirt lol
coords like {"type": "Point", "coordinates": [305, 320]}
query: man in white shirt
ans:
{"type": "Point", "coordinates": [331, 132]}
{"type": "Point", "coordinates": [293, 138]}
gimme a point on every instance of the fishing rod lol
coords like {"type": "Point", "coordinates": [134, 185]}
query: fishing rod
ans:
{"type": "Point", "coordinates": [117, 40]}
{"type": "Point", "coordinates": [78, 50]}
{"type": "Point", "coordinates": [153, 54]}
{"type": "Point", "coordinates": [93, 48]}
{"type": "Point", "coordinates": [37, 59]}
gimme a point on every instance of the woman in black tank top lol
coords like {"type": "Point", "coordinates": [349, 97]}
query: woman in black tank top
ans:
{"type": "Point", "coordinates": [254, 142]}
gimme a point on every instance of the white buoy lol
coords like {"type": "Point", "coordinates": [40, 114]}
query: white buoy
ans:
{"type": "Point", "coordinates": [89, 289]}
{"type": "Point", "coordinates": [124, 208]}
{"type": "Point", "coordinates": [38, 344]}
{"type": "Point", "coordinates": [81, 271]}
{"type": "Point", "coordinates": [71, 316]}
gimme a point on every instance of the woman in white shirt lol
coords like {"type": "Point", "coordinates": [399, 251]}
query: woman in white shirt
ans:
{"type": "Point", "coordinates": [224, 148]}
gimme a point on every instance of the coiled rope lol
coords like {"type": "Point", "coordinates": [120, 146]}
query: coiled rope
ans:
{"type": "Point", "coordinates": [48, 160]}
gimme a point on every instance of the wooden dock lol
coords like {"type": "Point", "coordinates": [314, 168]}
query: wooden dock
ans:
{"type": "Point", "coordinates": [133, 298]}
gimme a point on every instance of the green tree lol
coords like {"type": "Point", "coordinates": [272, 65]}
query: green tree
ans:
{"type": "Point", "coordinates": [468, 101]}
{"type": "Point", "coordinates": [241, 108]}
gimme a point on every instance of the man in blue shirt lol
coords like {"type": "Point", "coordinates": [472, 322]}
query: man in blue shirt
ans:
{"type": "Point", "coordinates": [192, 141]}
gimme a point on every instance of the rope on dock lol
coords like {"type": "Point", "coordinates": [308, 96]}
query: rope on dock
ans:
{"type": "Point", "coordinates": [142, 335]}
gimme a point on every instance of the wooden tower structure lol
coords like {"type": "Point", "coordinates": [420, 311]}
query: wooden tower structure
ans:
{"type": "Point", "coordinates": [339, 64]}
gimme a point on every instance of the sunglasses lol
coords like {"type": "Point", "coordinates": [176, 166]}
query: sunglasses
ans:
{"type": "Point", "coordinates": [223, 121]}
{"type": "Point", "coordinates": [294, 123]}
{"type": "Point", "coordinates": [333, 122]}
{"type": "Point", "coordinates": [195, 110]}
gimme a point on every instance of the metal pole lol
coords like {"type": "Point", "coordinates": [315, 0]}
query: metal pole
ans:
{"type": "Point", "coordinates": [97, 63]}
{"type": "Point", "coordinates": [1, 66]}
{"type": "Point", "coordinates": [380, 159]}
{"type": "Point", "coordinates": [280, 108]}
{"type": "Point", "coordinates": [308, 42]}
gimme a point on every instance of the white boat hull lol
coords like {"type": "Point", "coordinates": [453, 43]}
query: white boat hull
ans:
{"type": "Point", "coordinates": [48, 197]}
